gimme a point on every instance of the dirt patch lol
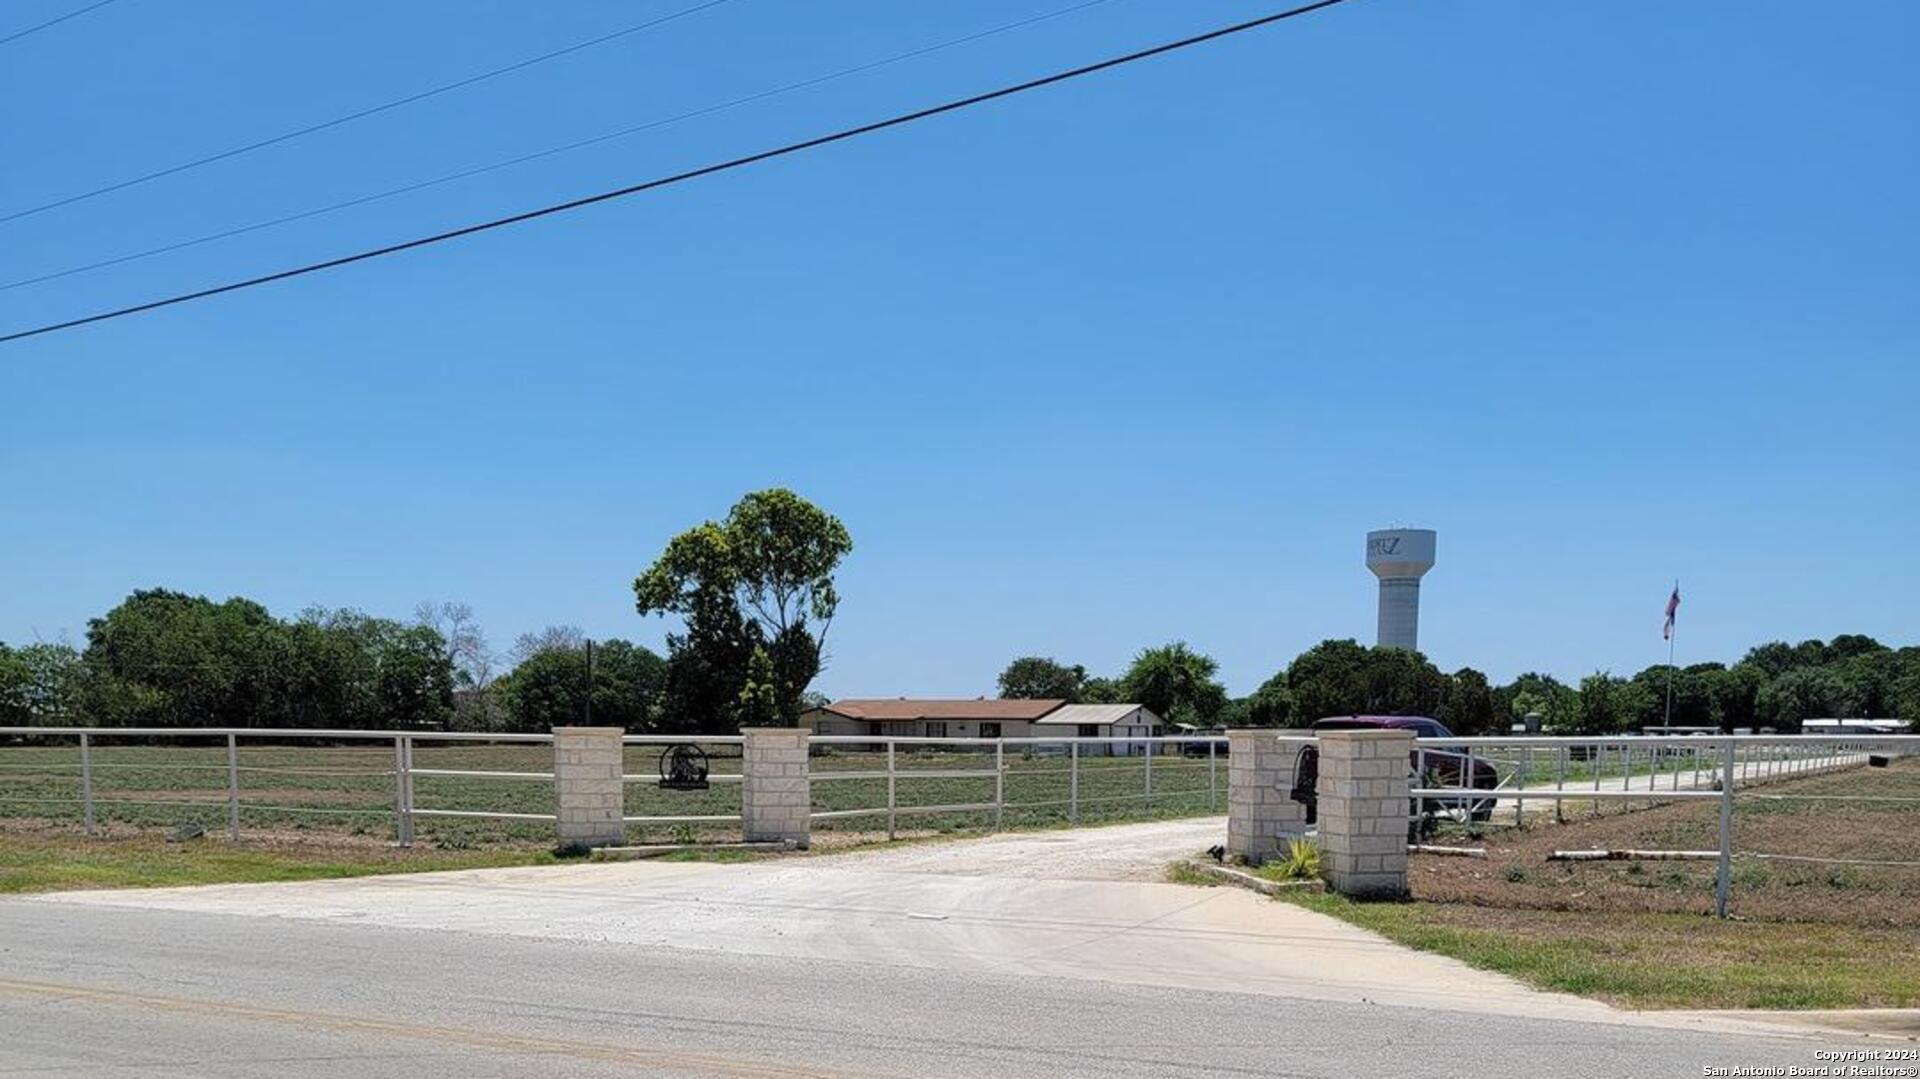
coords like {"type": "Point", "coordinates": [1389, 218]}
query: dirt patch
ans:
{"type": "Point", "coordinates": [1838, 888]}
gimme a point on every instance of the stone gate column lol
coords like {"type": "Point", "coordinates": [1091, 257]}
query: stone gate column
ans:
{"type": "Point", "coordinates": [1261, 816]}
{"type": "Point", "coordinates": [588, 794]}
{"type": "Point", "coordinates": [776, 797]}
{"type": "Point", "coordinates": [1364, 810]}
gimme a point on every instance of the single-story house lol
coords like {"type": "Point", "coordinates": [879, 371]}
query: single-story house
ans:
{"type": "Point", "coordinates": [982, 717]}
{"type": "Point", "coordinates": [909, 717]}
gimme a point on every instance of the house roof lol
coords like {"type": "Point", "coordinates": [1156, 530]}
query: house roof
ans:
{"type": "Point", "coordinates": [1100, 715]}
{"type": "Point", "coordinates": [884, 708]}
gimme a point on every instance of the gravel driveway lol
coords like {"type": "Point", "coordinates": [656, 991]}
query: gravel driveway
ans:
{"type": "Point", "coordinates": [1114, 852]}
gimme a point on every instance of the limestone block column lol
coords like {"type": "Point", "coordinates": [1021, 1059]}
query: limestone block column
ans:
{"type": "Point", "coordinates": [776, 797]}
{"type": "Point", "coordinates": [590, 797]}
{"type": "Point", "coordinates": [1261, 816]}
{"type": "Point", "coordinates": [1363, 811]}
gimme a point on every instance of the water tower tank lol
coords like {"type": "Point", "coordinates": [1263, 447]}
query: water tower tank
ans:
{"type": "Point", "coordinates": [1400, 557]}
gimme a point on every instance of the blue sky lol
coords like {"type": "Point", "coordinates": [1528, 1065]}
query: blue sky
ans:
{"type": "Point", "coordinates": [1607, 294]}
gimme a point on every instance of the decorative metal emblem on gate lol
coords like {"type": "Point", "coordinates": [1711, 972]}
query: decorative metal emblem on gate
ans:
{"type": "Point", "coordinates": [683, 768]}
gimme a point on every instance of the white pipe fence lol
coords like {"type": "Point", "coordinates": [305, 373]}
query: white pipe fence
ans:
{"type": "Point", "coordinates": [1079, 754]}
{"type": "Point", "coordinates": [402, 774]}
{"type": "Point", "coordinates": [1695, 767]}
{"type": "Point", "coordinates": [1477, 780]}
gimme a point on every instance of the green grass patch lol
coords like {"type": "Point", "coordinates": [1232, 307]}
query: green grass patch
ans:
{"type": "Point", "coordinates": [1185, 873]}
{"type": "Point", "coordinates": [1647, 960]}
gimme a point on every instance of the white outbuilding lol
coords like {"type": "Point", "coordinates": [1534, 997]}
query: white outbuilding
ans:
{"type": "Point", "coordinates": [1102, 721]}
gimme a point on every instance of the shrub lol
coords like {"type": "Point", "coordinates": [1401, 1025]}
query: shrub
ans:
{"type": "Point", "coordinates": [1302, 861]}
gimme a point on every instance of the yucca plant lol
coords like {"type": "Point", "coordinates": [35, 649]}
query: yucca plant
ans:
{"type": "Point", "coordinates": [1302, 861]}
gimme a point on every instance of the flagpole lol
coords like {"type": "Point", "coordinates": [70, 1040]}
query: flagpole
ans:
{"type": "Point", "coordinates": [1673, 630]}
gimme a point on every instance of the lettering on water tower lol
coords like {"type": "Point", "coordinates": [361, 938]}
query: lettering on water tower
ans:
{"type": "Point", "coordinates": [1384, 545]}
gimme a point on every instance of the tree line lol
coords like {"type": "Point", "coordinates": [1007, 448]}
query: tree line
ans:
{"type": "Point", "coordinates": [754, 593]}
{"type": "Point", "coordinates": [163, 658]}
{"type": "Point", "coordinates": [1776, 685]}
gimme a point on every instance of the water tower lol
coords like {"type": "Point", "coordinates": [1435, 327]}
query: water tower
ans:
{"type": "Point", "coordinates": [1400, 557]}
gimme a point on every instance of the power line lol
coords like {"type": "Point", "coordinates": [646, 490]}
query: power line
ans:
{"type": "Point", "coordinates": [18, 34]}
{"type": "Point", "coordinates": [288, 136]}
{"type": "Point", "coordinates": [549, 152]}
{"type": "Point", "coordinates": [681, 177]}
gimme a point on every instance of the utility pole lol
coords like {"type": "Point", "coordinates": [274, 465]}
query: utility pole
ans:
{"type": "Point", "coordinates": [589, 720]}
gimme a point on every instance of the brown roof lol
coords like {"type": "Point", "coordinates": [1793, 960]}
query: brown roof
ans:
{"type": "Point", "coordinates": [920, 708]}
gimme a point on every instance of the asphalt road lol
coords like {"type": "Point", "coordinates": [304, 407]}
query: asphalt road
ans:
{"type": "Point", "coordinates": [899, 964]}
{"type": "Point", "coordinates": [88, 991]}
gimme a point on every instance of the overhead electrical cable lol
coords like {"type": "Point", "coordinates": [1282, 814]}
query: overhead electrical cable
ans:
{"type": "Point", "coordinates": [536, 155]}
{"type": "Point", "coordinates": [50, 23]}
{"type": "Point", "coordinates": [288, 136]}
{"type": "Point", "coordinates": [817, 141]}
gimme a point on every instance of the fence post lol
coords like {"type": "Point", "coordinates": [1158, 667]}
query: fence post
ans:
{"type": "Point", "coordinates": [1597, 760]}
{"type": "Point", "coordinates": [890, 802]}
{"type": "Point", "coordinates": [1725, 879]}
{"type": "Point", "coordinates": [999, 784]}
{"type": "Point", "coordinates": [410, 798]}
{"type": "Point", "coordinates": [233, 789]}
{"type": "Point", "coordinates": [86, 780]}
{"type": "Point", "coordinates": [1073, 782]}
{"type": "Point", "coordinates": [1149, 775]}
{"type": "Point", "coordinates": [1519, 788]}
{"type": "Point", "coordinates": [402, 802]}
{"type": "Point", "coordinates": [1213, 781]}
{"type": "Point", "coordinates": [1560, 782]}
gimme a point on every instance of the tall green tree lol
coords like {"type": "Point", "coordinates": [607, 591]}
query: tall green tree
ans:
{"type": "Point", "coordinates": [1694, 695]}
{"type": "Point", "coordinates": [1176, 683]}
{"type": "Point", "coordinates": [1272, 704]}
{"type": "Point", "coordinates": [202, 663]}
{"type": "Point", "coordinates": [41, 684]}
{"type": "Point", "coordinates": [1906, 685]}
{"type": "Point", "coordinates": [1600, 706]}
{"type": "Point", "coordinates": [550, 687]}
{"type": "Point", "coordinates": [1801, 693]}
{"type": "Point", "coordinates": [1467, 705]}
{"type": "Point", "coordinates": [1344, 678]}
{"type": "Point", "coordinates": [1103, 691]}
{"type": "Point", "coordinates": [1042, 678]}
{"type": "Point", "coordinates": [1736, 696]}
{"type": "Point", "coordinates": [756, 596]}
{"type": "Point", "coordinates": [1547, 695]}
{"type": "Point", "coordinates": [16, 695]}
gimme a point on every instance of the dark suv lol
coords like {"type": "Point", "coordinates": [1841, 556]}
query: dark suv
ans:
{"type": "Point", "coordinates": [1444, 767]}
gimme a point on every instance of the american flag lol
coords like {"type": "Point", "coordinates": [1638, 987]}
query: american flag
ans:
{"type": "Point", "coordinates": [1673, 608]}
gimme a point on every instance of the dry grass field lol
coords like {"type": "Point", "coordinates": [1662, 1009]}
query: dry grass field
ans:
{"type": "Point", "coordinates": [1787, 821]}
{"type": "Point", "coordinates": [1825, 932]}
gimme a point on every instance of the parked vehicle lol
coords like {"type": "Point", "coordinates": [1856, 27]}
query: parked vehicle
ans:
{"type": "Point", "coordinates": [1444, 767]}
{"type": "Point", "coordinates": [1200, 749]}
